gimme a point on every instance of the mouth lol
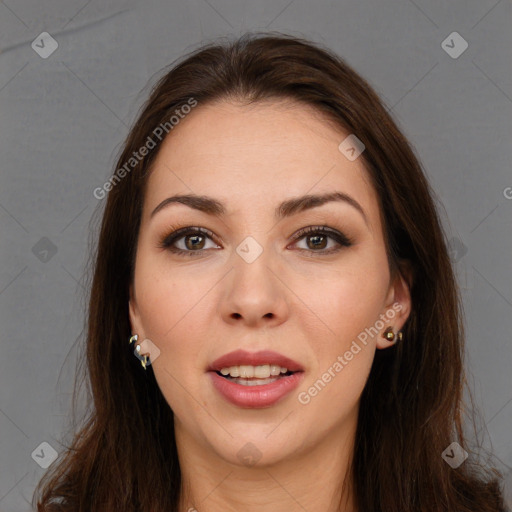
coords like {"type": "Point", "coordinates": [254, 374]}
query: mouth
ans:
{"type": "Point", "coordinates": [255, 380]}
{"type": "Point", "coordinates": [260, 375]}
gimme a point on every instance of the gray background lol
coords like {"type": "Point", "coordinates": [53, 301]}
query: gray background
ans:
{"type": "Point", "coordinates": [64, 117]}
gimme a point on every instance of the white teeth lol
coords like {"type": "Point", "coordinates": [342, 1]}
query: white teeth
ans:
{"type": "Point", "coordinates": [254, 382]}
{"type": "Point", "coordinates": [248, 372]}
{"type": "Point", "coordinates": [275, 370]}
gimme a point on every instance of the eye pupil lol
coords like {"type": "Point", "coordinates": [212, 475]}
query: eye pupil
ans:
{"type": "Point", "coordinates": [194, 245]}
{"type": "Point", "coordinates": [315, 239]}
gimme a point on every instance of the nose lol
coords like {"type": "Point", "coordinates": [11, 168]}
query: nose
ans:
{"type": "Point", "coordinates": [254, 294]}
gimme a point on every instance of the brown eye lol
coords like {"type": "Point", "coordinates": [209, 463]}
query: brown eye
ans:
{"type": "Point", "coordinates": [190, 240]}
{"type": "Point", "coordinates": [317, 239]}
{"type": "Point", "coordinates": [194, 241]}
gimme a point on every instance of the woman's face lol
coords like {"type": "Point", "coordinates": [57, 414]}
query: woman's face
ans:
{"type": "Point", "coordinates": [252, 281]}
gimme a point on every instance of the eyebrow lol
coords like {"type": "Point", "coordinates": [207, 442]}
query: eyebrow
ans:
{"type": "Point", "coordinates": [287, 208]}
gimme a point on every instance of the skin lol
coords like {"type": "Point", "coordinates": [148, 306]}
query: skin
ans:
{"type": "Point", "coordinates": [197, 308]}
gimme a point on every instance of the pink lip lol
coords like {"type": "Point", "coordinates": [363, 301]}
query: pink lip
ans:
{"type": "Point", "coordinates": [242, 357]}
{"type": "Point", "coordinates": [255, 397]}
{"type": "Point", "coordinates": [260, 396]}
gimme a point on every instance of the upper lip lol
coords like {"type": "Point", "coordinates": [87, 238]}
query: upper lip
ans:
{"type": "Point", "coordinates": [242, 357]}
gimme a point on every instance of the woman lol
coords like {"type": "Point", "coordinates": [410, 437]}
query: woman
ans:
{"type": "Point", "coordinates": [274, 322]}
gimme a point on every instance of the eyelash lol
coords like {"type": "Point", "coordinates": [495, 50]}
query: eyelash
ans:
{"type": "Point", "coordinates": [178, 233]}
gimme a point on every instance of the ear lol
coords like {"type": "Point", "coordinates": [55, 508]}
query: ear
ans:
{"type": "Point", "coordinates": [398, 304]}
{"type": "Point", "coordinates": [133, 311]}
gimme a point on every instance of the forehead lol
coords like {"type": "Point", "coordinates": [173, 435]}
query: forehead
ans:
{"type": "Point", "coordinates": [257, 154]}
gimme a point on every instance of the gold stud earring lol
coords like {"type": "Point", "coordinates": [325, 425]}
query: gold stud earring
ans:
{"type": "Point", "coordinates": [389, 335]}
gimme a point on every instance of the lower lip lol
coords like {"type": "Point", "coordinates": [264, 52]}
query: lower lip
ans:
{"type": "Point", "coordinates": [264, 395]}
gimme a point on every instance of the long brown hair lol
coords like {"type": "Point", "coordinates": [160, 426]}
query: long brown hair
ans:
{"type": "Point", "coordinates": [412, 408]}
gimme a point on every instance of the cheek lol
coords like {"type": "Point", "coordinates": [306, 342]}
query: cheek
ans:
{"type": "Point", "coordinates": [166, 296]}
{"type": "Point", "coordinates": [343, 342]}
{"type": "Point", "coordinates": [173, 310]}
{"type": "Point", "coordinates": [349, 299]}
